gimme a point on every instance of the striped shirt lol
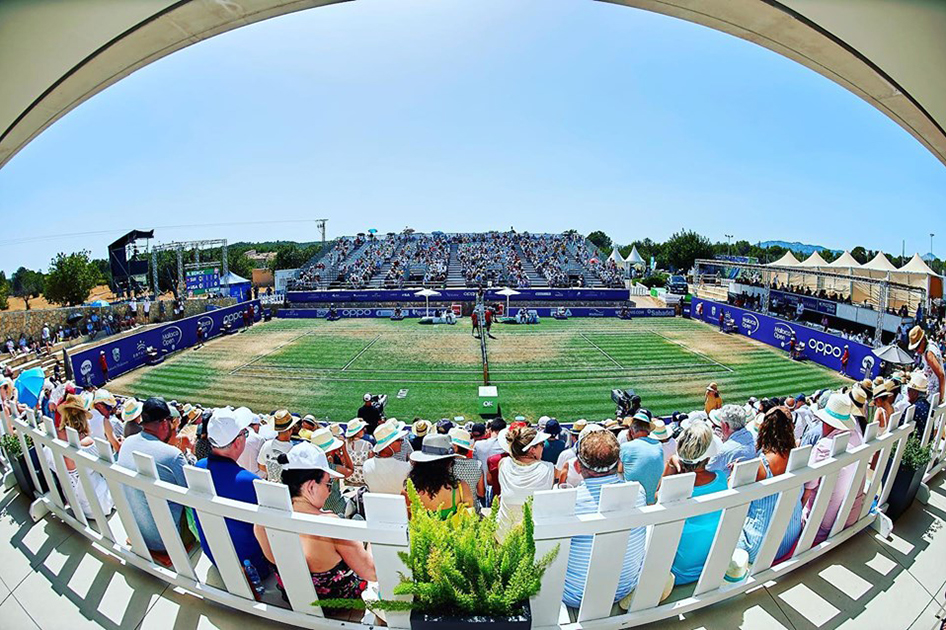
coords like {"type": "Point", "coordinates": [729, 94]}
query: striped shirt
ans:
{"type": "Point", "coordinates": [760, 516]}
{"type": "Point", "coordinates": [579, 555]}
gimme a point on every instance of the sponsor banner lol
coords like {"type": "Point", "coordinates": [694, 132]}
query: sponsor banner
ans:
{"type": "Point", "coordinates": [574, 311]}
{"type": "Point", "coordinates": [460, 295]}
{"type": "Point", "coordinates": [128, 353]}
{"type": "Point", "coordinates": [810, 303]}
{"type": "Point", "coordinates": [820, 347]}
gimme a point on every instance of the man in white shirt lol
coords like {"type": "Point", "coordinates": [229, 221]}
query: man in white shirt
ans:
{"type": "Point", "coordinates": [484, 449]}
{"type": "Point", "coordinates": [266, 462]}
{"type": "Point", "coordinates": [249, 458]}
{"type": "Point", "coordinates": [383, 472]}
{"type": "Point", "coordinates": [100, 424]}
{"type": "Point", "coordinates": [146, 306]}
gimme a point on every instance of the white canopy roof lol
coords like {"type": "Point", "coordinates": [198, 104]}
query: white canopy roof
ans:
{"type": "Point", "coordinates": [616, 256]}
{"type": "Point", "coordinates": [788, 260]}
{"type": "Point", "coordinates": [916, 265]}
{"type": "Point", "coordinates": [880, 263]}
{"type": "Point", "coordinates": [845, 260]}
{"type": "Point", "coordinates": [634, 258]}
{"type": "Point", "coordinates": [815, 260]}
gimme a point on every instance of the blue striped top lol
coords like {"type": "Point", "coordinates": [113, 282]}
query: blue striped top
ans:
{"type": "Point", "coordinates": [759, 517]}
{"type": "Point", "coordinates": [579, 556]}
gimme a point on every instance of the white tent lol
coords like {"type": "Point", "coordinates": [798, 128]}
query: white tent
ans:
{"type": "Point", "coordinates": [618, 260]}
{"type": "Point", "coordinates": [815, 260]}
{"type": "Point", "coordinates": [634, 258]}
{"type": "Point", "coordinates": [917, 265]}
{"type": "Point", "coordinates": [845, 261]}
{"type": "Point", "coordinates": [788, 260]}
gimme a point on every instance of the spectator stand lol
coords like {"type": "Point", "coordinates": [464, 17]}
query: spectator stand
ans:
{"type": "Point", "coordinates": [555, 524]}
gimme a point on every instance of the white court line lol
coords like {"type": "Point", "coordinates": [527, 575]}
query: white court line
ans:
{"type": "Point", "coordinates": [583, 336]}
{"type": "Point", "coordinates": [355, 358]}
{"type": "Point", "coordinates": [691, 350]}
{"type": "Point", "coordinates": [535, 381]}
{"type": "Point", "coordinates": [266, 354]}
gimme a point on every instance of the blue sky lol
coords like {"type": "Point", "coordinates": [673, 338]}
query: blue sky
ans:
{"type": "Point", "coordinates": [544, 115]}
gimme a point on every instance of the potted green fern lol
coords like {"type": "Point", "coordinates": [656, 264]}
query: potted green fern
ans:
{"type": "Point", "coordinates": [909, 476]}
{"type": "Point", "coordinates": [459, 575]}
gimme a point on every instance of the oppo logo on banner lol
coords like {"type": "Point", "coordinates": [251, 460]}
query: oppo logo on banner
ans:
{"type": "Point", "coordinates": [829, 350]}
{"type": "Point", "coordinates": [232, 317]}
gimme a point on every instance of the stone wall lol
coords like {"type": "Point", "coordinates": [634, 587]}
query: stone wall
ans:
{"type": "Point", "coordinates": [12, 323]}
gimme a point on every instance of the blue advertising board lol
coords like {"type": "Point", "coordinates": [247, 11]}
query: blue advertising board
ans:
{"type": "Point", "coordinates": [546, 311]}
{"type": "Point", "coordinates": [820, 347]}
{"type": "Point", "coordinates": [810, 303]}
{"type": "Point", "coordinates": [127, 353]}
{"type": "Point", "coordinates": [460, 295]}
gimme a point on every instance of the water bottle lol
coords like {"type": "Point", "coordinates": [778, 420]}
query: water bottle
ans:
{"type": "Point", "coordinates": [252, 576]}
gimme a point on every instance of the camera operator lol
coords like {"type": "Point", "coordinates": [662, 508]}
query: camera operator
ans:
{"type": "Point", "coordinates": [371, 414]}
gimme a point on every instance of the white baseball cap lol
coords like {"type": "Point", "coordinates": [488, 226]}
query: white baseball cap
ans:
{"type": "Point", "coordinates": [225, 426]}
{"type": "Point", "coordinates": [246, 412]}
{"type": "Point", "coordinates": [307, 456]}
{"type": "Point", "coordinates": [367, 397]}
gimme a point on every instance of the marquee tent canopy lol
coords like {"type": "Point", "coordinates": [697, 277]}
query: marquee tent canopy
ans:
{"type": "Point", "coordinates": [788, 260]}
{"type": "Point", "coordinates": [634, 258]}
{"type": "Point", "coordinates": [815, 260]}
{"type": "Point", "coordinates": [845, 260]}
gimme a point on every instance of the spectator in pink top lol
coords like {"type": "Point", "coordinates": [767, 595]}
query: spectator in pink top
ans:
{"type": "Point", "coordinates": [836, 418]}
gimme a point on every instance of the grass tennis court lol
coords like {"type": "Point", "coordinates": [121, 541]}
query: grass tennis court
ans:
{"type": "Point", "coordinates": [564, 369]}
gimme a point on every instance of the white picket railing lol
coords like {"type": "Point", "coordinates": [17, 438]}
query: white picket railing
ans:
{"type": "Point", "coordinates": [555, 524]}
{"type": "Point", "coordinates": [935, 435]}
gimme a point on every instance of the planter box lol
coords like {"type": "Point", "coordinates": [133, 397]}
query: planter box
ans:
{"type": "Point", "coordinates": [427, 621]}
{"type": "Point", "coordinates": [905, 486]}
{"type": "Point", "coordinates": [22, 474]}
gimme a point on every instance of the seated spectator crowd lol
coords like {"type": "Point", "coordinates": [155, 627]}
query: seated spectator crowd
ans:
{"type": "Point", "coordinates": [481, 466]}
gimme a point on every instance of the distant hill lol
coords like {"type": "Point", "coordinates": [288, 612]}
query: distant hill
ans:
{"type": "Point", "coordinates": [802, 248]}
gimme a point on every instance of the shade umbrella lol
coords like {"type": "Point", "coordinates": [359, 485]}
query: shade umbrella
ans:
{"type": "Point", "coordinates": [507, 292]}
{"type": "Point", "coordinates": [893, 354]}
{"type": "Point", "coordinates": [427, 293]}
{"type": "Point", "coordinates": [29, 384]}
{"type": "Point", "coordinates": [74, 318]}
{"type": "Point", "coordinates": [100, 303]}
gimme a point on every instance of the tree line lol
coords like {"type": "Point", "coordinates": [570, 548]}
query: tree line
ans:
{"type": "Point", "coordinates": [70, 278]}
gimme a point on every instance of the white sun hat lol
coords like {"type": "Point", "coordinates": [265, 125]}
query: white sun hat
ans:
{"type": "Point", "coordinates": [306, 456]}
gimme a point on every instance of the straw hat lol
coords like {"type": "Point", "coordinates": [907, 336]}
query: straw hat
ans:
{"type": "Point", "coordinates": [578, 425]}
{"type": "Point", "coordinates": [868, 386]}
{"type": "Point", "coordinates": [336, 429]}
{"type": "Point", "coordinates": [354, 426]}
{"type": "Point", "coordinates": [325, 440]}
{"type": "Point", "coordinates": [886, 388]}
{"type": "Point", "coordinates": [77, 403]}
{"type": "Point", "coordinates": [420, 428]}
{"type": "Point", "coordinates": [918, 381]}
{"type": "Point", "coordinates": [385, 435]}
{"type": "Point", "coordinates": [309, 418]}
{"type": "Point", "coordinates": [283, 421]}
{"type": "Point", "coordinates": [131, 409]}
{"type": "Point", "coordinates": [660, 433]}
{"type": "Point", "coordinates": [712, 387]}
{"type": "Point", "coordinates": [104, 397]}
{"type": "Point", "coordinates": [397, 424]}
{"type": "Point", "coordinates": [837, 413]}
{"type": "Point", "coordinates": [610, 424]}
{"type": "Point", "coordinates": [917, 335]}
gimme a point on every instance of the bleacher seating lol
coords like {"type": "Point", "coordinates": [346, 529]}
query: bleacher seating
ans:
{"type": "Point", "coordinates": [438, 260]}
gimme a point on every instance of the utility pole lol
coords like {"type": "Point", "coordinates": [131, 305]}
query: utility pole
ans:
{"type": "Point", "coordinates": [931, 246]}
{"type": "Point", "coordinates": [729, 238]}
{"type": "Point", "coordinates": [320, 224]}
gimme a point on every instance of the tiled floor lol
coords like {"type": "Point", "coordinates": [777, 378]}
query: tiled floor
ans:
{"type": "Point", "coordinates": [52, 578]}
